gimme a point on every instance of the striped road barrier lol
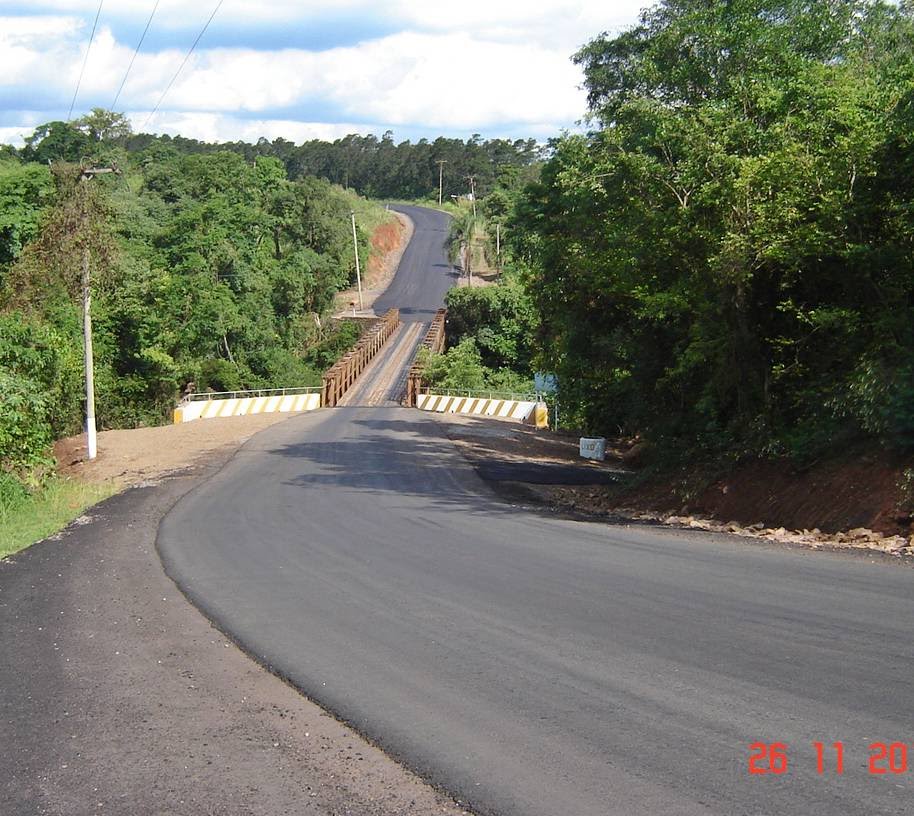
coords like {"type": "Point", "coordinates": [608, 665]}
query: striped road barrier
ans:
{"type": "Point", "coordinates": [203, 406]}
{"type": "Point", "coordinates": [520, 409]}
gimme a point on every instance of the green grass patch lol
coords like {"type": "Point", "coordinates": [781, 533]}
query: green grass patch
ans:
{"type": "Point", "coordinates": [430, 203]}
{"type": "Point", "coordinates": [32, 517]}
{"type": "Point", "coordinates": [369, 214]}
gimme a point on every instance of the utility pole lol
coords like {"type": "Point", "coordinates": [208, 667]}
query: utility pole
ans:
{"type": "Point", "coordinates": [441, 163]}
{"type": "Point", "coordinates": [88, 358]}
{"type": "Point", "coordinates": [472, 180]}
{"type": "Point", "coordinates": [358, 271]}
{"type": "Point", "coordinates": [498, 246]}
{"type": "Point", "coordinates": [91, 434]}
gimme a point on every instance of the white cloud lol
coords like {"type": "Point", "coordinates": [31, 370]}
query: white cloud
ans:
{"type": "Point", "coordinates": [446, 80]}
{"type": "Point", "coordinates": [216, 127]}
{"type": "Point", "coordinates": [481, 66]}
{"type": "Point", "coordinates": [511, 18]}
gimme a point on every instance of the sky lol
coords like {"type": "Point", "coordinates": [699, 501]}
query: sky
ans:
{"type": "Point", "coordinates": [305, 69]}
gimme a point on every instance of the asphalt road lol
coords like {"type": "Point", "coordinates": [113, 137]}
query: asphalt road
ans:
{"type": "Point", "coordinates": [117, 696]}
{"type": "Point", "coordinates": [424, 274]}
{"type": "Point", "coordinates": [533, 665]}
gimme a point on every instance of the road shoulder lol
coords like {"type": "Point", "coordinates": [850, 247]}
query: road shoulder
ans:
{"type": "Point", "coordinates": [542, 470]}
{"type": "Point", "coordinates": [119, 696]}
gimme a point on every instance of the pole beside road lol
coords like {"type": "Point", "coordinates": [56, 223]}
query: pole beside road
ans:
{"type": "Point", "coordinates": [88, 358]}
{"type": "Point", "coordinates": [91, 433]}
{"type": "Point", "coordinates": [358, 271]}
{"type": "Point", "coordinates": [441, 163]}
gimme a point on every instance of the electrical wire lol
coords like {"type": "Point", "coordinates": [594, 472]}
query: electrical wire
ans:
{"type": "Point", "coordinates": [133, 58]}
{"type": "Point", "coordinates": [85, 60]}
{"type": "Point", "coordinates": [183, 63]}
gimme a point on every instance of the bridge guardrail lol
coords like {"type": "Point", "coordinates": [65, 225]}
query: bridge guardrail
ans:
{"type": "Point", "coordinates": [214, 404]}
{"type": "Point", "coordinates": [339, 378]}
{"type": "Point", "coordinates": [198, 396]}
{"type": "Point", "coordinates": [434, 342]}
{"type": "Point", "coordinates": [530, 407]}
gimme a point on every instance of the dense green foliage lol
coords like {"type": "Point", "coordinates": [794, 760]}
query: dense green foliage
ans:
{"type": "Point", "coordinates": [490, 333]}
{"type": "Point", "coordinates": [461, 368]}
{"type": "Point", "coordinates": [726, 261]}
{"type": "Point", "coordinates": [208, 272]}
{"type": "Point", "coordinates": [377, 168]}
{"type": "Point", "coordinates": [25, 190]}
{"type": "Point", "coordinates": [499, 319]}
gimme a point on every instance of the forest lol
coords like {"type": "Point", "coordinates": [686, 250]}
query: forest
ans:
{"type": "Point", "coordinates": [208, 271]}
{"type": "Point", "coordinates": [374, 168]}
{"type": "Point", "coordinates": [724, 264]}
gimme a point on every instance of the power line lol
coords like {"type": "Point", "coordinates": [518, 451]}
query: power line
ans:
{"type": "Point", "coordinates": [183, 63]}
{"type": "Point", "coordinates": [85, 60]}
{"type": "Point", "coordinates": [136, 51]}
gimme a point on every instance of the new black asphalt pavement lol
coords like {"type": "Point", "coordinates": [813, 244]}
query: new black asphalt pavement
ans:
{"type": "Point", "coordinates": [536, 666]}
{"type": "Point", "coordinates": [424, 274]}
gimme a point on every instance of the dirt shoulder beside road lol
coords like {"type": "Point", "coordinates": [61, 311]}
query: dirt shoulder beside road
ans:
{"type": "Point", "coordinates": [841, 505]}
{"type": "Point", "coordinates": [118, 696]}
{"type": "Point", "coordinates": [388, 243]}
{"type": "Point", "coordinates": [131, 457]}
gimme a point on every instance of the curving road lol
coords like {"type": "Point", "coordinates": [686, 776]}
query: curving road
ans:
{"type": "Point", "coordinates": [424, 274]}
{"type": "Point", "coordinates": [536, 666]}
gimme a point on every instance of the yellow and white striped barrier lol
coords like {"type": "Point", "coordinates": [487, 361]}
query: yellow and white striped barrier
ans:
{"type": "Point", "coordinates": [521, 410]}
{"type": "Point", "coordinates": [242, 406]}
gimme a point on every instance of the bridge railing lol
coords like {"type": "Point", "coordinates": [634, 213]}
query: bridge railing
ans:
{"type": "Point", "coordinates": [434, 342]}
{"type": "Point", "coordinates": [340, 377]}
{"type": "Point", "coordinates": [484, 393]}
{"type": "Point", "coordinates": [257, 392]}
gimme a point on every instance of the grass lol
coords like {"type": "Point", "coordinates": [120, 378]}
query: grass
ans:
{"type": "Point", "coordinates": [47, 511]}
{"type": "Point", "coordinates": [431, 203]}
{"type": "Point", "coordinates": [369, 214]}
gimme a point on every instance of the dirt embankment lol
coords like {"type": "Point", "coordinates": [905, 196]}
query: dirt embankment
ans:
{"type": "Point", "coordinates": [855, 501]}
{"type": "Point", "coordinates": [388, 243]}
{"type": "Point", "coordinates": [853, 491]}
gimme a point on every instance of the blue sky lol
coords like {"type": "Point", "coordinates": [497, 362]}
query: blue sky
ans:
{"type": "Point", "coordinates": [305, 69]}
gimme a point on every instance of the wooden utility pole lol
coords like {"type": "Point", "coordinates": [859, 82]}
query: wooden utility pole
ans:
{"type": "Point", "coordinates": [472, 180]}
{"type": "Point", "coordinates": [441, 163]}
{"type": "Point", "coordinates": [88, 358]}
{"type": "Point", "coordinates": [358, 271]}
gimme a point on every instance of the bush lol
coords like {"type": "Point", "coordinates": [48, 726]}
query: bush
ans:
{"type": "Point", "coordinates": [328, 351]}
{"type": "Point", "coordinates": [460, 368]}
{"type": "Point", "coordinates": [218, 375]}
{"type": "Point", "coordinates": [501, 319]}
{"type": "Point", "coordinates": [279, 368]}
{"type": "Point", "coordinates": [25, 433]}
{"type": "Point", "coordinates": [51, 361]}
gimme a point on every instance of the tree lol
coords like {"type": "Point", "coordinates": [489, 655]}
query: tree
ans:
{"type": "Point", "coordinates": [104, 126]}
{"type": "Point", "coordinates": [56, 141]}
{"type": "Point", "coordinates": [25, 193]}
{"type": "Point", "coordinates": [720, 261]}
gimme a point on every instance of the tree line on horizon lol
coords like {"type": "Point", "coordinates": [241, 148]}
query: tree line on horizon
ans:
{"type": "Point", "coordinates": [378, 168]}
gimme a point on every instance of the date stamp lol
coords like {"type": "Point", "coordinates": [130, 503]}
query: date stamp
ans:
{"type": "Point", "coordinates": [885, 758]}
